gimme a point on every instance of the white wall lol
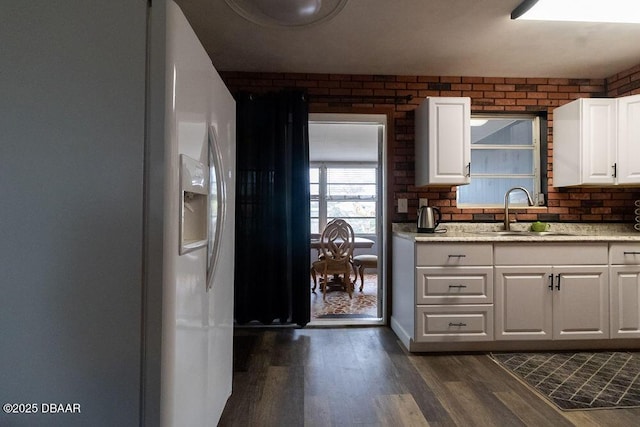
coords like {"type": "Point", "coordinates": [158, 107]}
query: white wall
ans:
{"type": "Point", "coordinates": [85, 178]}
{"type": "Point", "coordinates": [197, 324]}
{"type": "Point", "coordinates": [72, 148]}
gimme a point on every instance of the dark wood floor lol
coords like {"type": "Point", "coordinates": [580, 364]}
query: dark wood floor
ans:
{"type": "Point", "coordinates": [363, 377]}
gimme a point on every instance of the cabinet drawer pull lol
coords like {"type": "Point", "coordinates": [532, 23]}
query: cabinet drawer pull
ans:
{"type": "Point", "coordinates": [631, 253]}
{"type": "Point", "coordinates": [457, 286]}
{"type": "Point", "coordinates": [457, 324]}
{"type": "Point", "coordinates": [457, 256]}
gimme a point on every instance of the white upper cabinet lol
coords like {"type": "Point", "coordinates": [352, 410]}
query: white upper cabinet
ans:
{"type": "Point", "coordinates": [584, 143]}
{"type": "Point", "coordinates": [595, 142]}
{"type": "Point", "coordinates": [443, 141]}
{"type": "Point", "coordinates": [629, 140]}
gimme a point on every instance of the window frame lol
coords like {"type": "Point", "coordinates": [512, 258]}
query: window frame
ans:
{"type": "Point", "coordinates": [322, 197]}
{"type": "Point", "coordinates": [538, 146]}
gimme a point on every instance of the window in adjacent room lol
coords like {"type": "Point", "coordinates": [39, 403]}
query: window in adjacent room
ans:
{"type": "Point", "coordinates": [505, 153]}
{"type": "Point", "coordinates": [344, 191]}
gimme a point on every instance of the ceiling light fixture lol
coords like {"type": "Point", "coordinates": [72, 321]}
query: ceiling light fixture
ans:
{"type": "Point", "coordinates": [617, 11]}
{"type": "Point", "coordinates": [478, 122]}
{"type": "Point", "coordinates": [287, 13]}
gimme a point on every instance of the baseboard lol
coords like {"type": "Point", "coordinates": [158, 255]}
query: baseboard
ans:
{"type": "Point", "coordinates": [404, 337]}
{"type": "Point", "coordinates": [521, 346]}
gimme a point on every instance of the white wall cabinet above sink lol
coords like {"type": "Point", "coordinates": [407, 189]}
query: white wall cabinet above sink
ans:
{"type": "Point", "coordinates": [443, 141]}
{"type": "Point", "coordinates": [596, 141]}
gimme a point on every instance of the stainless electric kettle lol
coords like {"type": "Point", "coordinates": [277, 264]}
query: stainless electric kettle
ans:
{"type": "Point", "coordinates": [427, 222]}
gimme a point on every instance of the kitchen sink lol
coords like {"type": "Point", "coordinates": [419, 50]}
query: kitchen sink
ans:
{"type": "Point", "coordinates": [524, 233]}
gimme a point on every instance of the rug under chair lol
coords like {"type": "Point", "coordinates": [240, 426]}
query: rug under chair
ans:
{"type": "Point", "coordinates": [362, 305]}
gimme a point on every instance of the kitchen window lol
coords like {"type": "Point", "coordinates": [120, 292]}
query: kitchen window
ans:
{"type": "Point", "coordinates": [344, 191]}
{"type": "Point", "coordinates": [505, 153]}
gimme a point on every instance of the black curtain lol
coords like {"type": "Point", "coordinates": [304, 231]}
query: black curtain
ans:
{"type": "Point", "coordinates": [272, 208]}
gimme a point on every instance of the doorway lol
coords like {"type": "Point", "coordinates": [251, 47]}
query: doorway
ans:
{"type": "Point", "coordinates": [347, 172]}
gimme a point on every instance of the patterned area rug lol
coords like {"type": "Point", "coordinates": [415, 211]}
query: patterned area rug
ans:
{"type": "Point", "coordinates": [575, 381]}
{"type": "Point", "coordinates": [363, 305]}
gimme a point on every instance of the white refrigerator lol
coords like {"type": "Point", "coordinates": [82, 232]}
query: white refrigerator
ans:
{"type": "Point", "coordinates": [198, 306]}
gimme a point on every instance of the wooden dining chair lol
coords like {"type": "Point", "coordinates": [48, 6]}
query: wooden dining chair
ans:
{"type": "Point", "coordinates": [335, 257]}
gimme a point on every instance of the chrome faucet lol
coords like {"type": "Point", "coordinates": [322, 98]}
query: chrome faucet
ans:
{"type": "Point", "coordinates": [506, 204]}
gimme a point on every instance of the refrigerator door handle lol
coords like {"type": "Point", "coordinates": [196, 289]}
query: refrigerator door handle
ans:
{"type": "Point", "coordinates": [216, 206]}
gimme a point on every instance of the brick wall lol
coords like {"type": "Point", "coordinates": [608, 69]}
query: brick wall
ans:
{"type": "Point", "coordinates": [329, 91]}
{"type": "Point", "coordinates": [624, 83]}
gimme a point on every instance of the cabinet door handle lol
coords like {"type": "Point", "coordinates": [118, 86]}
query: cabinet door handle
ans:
{"type": "Point", "coordinates": [457, 286]}
{"type": "Point", "coordinates": [558, 284]}
{"type": "Point", "coordinates": [631, 253]}
{"type": "Point", "coordinates": [457, 256]}
{"type": "Point", "coordinates": [615, 170]}
{"type": "Point", "coordinates": [469, 169]}
{"type": "Point", "coordinates": [551, 281]}
{"type": "Point", "coordinates": [457, 324]}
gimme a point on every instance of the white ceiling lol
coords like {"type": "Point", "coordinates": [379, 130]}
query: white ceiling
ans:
{"type": "Point", "coordinates": [417, 37]}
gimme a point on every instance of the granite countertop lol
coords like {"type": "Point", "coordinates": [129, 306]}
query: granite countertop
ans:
{"type": "Point", "coordinates": [485, 232]}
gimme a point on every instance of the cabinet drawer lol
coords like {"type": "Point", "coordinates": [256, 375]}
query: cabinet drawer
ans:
{"type": "Point", "coordinates": [454, 254]}
{"type": "Point", "coordinates": [624, 253]}
{"type": "Point", "coordinates": [551, 254]}
{"type": "Point", "coordinates": [457, 285]}
{"type": "Point", "coordinates": [440, 323]}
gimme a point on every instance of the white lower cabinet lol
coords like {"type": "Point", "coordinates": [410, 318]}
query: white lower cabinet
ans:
{"type": "Point", "coordinates": [454, 323]}
{"type": "Point", "coordinates": [553, 291]}
{"type": "Point", "coordinates": [581, 302]}
{"type": "Point", "coordinates": [625, 301]}
{"type": "Point", "coordinates": [454, 302]}
{"type": "Point", "coordinates": [523, 303]}
{"type": "Point", "coordinates": [442, 292]}
{"type": "Point", "coordinates": [624, 288]}
{"type": "Point", "coordinates": [483, 295]}
{"type": "Point", "coordinates": [546, 302]}
{"type": "Point", "coordinates": [454, 292]}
